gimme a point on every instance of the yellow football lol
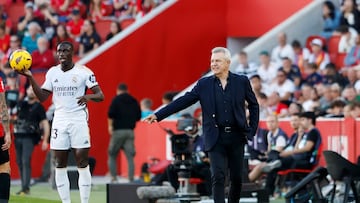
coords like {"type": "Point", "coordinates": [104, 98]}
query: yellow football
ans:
{"type": "Point", "coordinates": [20, 60]}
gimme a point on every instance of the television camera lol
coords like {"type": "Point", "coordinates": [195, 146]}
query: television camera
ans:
{"type": "Point", "coordinates": [184, 157]}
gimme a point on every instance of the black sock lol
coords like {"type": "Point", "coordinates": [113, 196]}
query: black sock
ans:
{"type": "Point", "coordinates": [4, 187]}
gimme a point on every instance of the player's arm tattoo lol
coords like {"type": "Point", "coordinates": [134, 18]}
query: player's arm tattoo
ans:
{"type": "Point", "coordinates": [5, 118]}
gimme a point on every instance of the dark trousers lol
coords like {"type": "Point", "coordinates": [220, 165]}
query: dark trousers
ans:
{"type": "Point", "coordinates": [227, 155]}
{"type": "Point", "coordinates": [24, 147]}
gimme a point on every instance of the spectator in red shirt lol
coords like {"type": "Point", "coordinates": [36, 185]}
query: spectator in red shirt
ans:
{"type": "Point", "coordinates": [75, 24]}
{"type": "Point", "coordinates": [43, 58]}
{"type": "Point", "coordinates": [64, 7]}
{"type": "Point", "coordinates": [4, 41]}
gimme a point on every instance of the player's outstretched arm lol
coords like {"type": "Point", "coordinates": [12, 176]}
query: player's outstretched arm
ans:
{"type": "Point", "coordinates": [41, 94]}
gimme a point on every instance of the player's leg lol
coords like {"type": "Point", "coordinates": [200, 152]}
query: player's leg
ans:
{"type": "Point", "coordinates": [61, 175]}
{"type": "Point", "coordinates": [5, 182]}
{"type": "Point", "coordinates": [82, 158]}
{"type": "Point", "coordinates": [4, 174]}
{"type": "Point", "coordinates": [60, 144]}
{"type": "Point", "coordinates": [80, 142]}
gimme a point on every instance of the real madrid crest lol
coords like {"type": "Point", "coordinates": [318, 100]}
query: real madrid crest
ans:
{"type": "Point", "coordinates": [74, 79]}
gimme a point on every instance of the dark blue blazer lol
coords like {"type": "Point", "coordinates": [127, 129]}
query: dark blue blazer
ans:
{"type": "Point", "coordinates": [203, 91]}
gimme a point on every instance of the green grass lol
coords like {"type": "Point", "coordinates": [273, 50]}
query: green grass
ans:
{"type": "Point", "coordinates": [43, 193]}
{"type": "Point", "coordinates": [31, 200]}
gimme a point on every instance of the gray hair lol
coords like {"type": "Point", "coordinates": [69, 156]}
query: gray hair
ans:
{"type": "Point", "coordinates": [34, 25]}
{"type": "Point", "coordinates": [225, 51]}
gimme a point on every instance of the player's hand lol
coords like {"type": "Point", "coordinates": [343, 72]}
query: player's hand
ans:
{"type": "Point", "coordinates": [24, 72]}
{"type": "Point", "coordinates": [82, 100]}
{"type": "Point", "coordinates": [151, 118]}
{"type": "Point", "coordinates": [7, 142]}
{"type": "Point", "coordinates": [44, 145]}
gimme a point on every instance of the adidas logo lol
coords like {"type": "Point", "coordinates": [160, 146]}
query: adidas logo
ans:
{"type": "Point", "coordinates": [86, 142]}
{"type": "Point", "coordinates": [56, 80]}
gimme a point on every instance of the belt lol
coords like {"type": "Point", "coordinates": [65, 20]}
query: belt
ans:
{"type": "Point", "coordinates": [229, 129]}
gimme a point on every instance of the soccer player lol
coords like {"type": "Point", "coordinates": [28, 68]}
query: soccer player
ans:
{"type": "Point", "coordinates": [5, 142]}
{"type": "Point", "coordinates": [67, 82]}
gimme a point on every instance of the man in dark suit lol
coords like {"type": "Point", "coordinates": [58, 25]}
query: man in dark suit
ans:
{"type": "Point", "coordinates": [223, 98]}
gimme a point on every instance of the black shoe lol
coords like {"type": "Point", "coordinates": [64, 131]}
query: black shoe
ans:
{"type": "Point", "coordinates": [23, 192]}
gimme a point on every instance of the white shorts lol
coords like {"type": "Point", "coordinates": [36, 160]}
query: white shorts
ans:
{"type": "Point", "coordinates": [69, 133]}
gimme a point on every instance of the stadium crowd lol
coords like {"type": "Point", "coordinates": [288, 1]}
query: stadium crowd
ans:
{"type": "Point", "coordinates": [313, 77]}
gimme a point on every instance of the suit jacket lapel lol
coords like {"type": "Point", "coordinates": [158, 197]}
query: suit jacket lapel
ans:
{"type": "Point", "coordinates": [233, 90]}
{"type": "Point", "coordinates": [211, 94]}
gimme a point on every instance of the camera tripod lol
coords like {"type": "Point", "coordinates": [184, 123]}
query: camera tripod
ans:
{"type": "Point", "coordinates": [185, 193]}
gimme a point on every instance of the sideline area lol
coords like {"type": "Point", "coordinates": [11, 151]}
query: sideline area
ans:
{"type": "Point", "coordinates": [43, 193]}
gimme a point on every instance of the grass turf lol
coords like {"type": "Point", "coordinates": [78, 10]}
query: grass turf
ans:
{"type": "Point", "coordinates": [43, 193]}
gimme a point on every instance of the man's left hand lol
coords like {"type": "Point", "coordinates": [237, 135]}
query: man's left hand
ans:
{"type": "Point", "coordinates": [82, 100]}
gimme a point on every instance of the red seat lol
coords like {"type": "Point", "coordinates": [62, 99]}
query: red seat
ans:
{"type": "Point", "coordinates": [15, 11]}
{"type": "Point", "coordinates": [127, 22]}
{"type": "Point", "coordinates": [311, 37]}
{"type": "Point", "coordinates": [333, 44]}
{"type": "Point", "coordinates": [339, 62]}
{"type": "Point", "coordinates": [195, 181]}
{"type": "Point", "coordinates": [103, 28]}
{"type": "Point", "coordinates": [159, 167]}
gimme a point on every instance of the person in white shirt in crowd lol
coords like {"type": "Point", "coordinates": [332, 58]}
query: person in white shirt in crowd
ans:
{"type": "Point", "coordinates": [353, 57]}
{"type": "Point", "coordinates": [267, 69]}
{"type": "Point", "coordinates": [282, 85]}
{"type": "Point", "coordinates": [245, 67]}
{"type": "Point", "coordinates": [282, 50]}
{"type": "Point", "coordinates": [347, 39]}
{"type": "Point", "coordinates": [318, 55]}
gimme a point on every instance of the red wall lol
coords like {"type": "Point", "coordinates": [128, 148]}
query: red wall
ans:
{"type": "Point", "coordinates": [162, 55]}
{"type": "Point", "coordinates": [252, 18]}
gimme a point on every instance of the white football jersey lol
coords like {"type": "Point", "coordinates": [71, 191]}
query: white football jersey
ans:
{"type": "Point", "coordinates": [68, 86]}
